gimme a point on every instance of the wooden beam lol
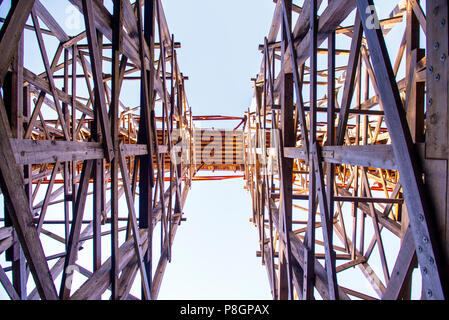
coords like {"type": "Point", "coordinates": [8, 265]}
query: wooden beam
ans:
{"type": "Point", "coordinates": [45, 151]}
{"type": "Point", "coordinates": [97, 73]}
{"type": "Point", "coordinates": [349, 86]}
{"type": "Point", "coordinates": [374, 156]}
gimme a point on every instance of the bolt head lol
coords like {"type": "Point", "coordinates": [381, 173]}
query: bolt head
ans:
{"type": "Point", "coordinates": [425, 239]}
{"type": "Point", "coordinates": [430, 101]}
{"type": "Point", "coordinates": [443, 57]}
{"type": "Point", "coordinates": [424, 271]}
{"type": "Point", "coordinates": [436, 45]}
{"type": "Point", "coordinates": [421, 218]}
{"type": "Point", "coordinates": [437, 77]}
{"type": "Point", "coordinates": [429, 293]}
{"type": "Point", "coordinates": [442, 22]}
{"type": "Point", "coordinates": [430, 68]}
{"type": "Point", "coordinates": [431, 261]}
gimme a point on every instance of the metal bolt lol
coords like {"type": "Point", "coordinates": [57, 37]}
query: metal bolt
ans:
{"type": "Point", "coordinates": [419, 249]}
{"type": "Point", "coordinates": [429, 293]}
{"type": "Point", "coordinates": [430, 101]}
{"type": "Point", "coordinates": [431, 261]}
{"type": "Point", "coordinates": [436, 45]}
{"type": "Point", "coordinates": [424, 270]}
{"type": "Point", "coordinates": [421, 218]}
{"type": "Point", "coordinates": [431, 68]}
{"type": "Point", "coordinates": [437, 77]}
{"type": "Point", "coordinates": [425, 239]}
{"type": "Point", "coordinates": [443, 57]}
{"type": "Point", "coordinates": [442, 22]}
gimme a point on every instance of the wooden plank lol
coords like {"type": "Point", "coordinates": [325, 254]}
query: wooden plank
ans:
{"type": "Point", "coordinates": [45, 151]}
{"type": "Point", "coordinates": [373, 156]}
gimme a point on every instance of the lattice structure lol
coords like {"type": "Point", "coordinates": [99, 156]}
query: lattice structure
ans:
{"type": "Point", "coordinates": [344, 153]}
{"type": "Point", "coordinates": [338, 192]}
{"type": "Point", "coordinates": [86, 176]}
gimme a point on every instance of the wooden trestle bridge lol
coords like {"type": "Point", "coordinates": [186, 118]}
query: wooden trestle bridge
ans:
{"type": "Point", "coordinates": [344, 150]}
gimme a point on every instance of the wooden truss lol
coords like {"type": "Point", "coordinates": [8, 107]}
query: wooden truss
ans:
{"type": "Point", "coordinates": [346, 164]}
{"type": "Point", "coordinates": [85, 177]}
{"type": "Point", "coordinates": [346, 158]}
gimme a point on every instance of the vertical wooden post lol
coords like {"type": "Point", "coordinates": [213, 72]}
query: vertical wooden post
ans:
{"type": "Point", "coordinates": [309, 258]}
{"type": "Point", "coordinates": [437, 118]}
{"type": "Point", "coordinates": [98, 173]}
{"type": "Point", "coordinates": [288, 140]}
{"type": "Point", "coordinates": [146, 174]}
{"type": "Point", "coordinates": [116, 85]}
{"type": "Point", "coordinates": [14, 98]}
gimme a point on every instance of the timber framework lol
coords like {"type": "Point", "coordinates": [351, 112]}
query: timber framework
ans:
{"type": "Point", "coordinates": [344, 150]}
